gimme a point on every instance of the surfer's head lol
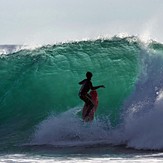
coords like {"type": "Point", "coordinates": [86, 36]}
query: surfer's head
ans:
{"type": "Point", "coordinates": [89, 75]}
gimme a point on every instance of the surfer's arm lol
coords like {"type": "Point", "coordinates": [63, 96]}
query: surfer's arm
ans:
{"type": "Point", "coordinates": [96, 87]}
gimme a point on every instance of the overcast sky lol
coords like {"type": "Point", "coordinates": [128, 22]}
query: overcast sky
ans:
{"type": "Point", "coordinates": [50, 21]}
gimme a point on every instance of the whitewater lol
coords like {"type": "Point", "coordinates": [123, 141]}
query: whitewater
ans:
{"type": "Point", "coordinates": [40, 109]}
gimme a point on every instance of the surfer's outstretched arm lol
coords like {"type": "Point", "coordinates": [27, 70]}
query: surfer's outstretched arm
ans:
{"type": "Point", "coordinates": [96, 87]}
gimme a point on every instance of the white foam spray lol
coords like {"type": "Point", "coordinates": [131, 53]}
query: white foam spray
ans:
{"type": "Point", "coordinates": [68, 129]}
{"type": "Point", "coordinates": [143, 117]}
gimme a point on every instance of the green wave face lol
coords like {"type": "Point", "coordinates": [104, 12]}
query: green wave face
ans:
{"type": "Point", "coordinates": [37, 82]}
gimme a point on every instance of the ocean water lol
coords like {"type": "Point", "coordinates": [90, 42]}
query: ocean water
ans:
{"type": "Point", "coordinates": [40, 111]}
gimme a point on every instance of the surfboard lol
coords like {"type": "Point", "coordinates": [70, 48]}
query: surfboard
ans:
{"type": "Point", "coordinates": [90, 117]}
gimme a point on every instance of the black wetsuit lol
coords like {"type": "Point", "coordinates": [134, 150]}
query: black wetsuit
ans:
{"type": "Point", "coordinates": [83, 93]}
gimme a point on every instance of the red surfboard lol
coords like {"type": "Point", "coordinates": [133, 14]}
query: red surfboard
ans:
{"type": "Point", "coordinates": [94, 98]}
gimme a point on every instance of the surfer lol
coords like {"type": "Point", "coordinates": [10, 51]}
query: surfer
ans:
{"type": "Point", "coordinates": [85, 88]}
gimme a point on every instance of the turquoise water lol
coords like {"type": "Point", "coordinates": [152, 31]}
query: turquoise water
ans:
{"type": "Point", "coordinates": [39, 101]}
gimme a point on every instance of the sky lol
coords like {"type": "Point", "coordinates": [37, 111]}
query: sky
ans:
{"type": "Point", "coordinates": [51, 21]}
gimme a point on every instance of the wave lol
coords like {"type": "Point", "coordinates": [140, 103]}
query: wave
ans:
{"type": "Point", "coordinates": [38, 93]}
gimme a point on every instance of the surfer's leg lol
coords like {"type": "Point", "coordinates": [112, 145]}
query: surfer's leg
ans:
{"type": "Point", "coordinates": [90, 103]}
{"type": "Point", "coordinates": [82, 97]}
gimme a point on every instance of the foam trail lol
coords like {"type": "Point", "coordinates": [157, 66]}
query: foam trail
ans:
{"type": "Point", "coordinates": [68, 129]}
